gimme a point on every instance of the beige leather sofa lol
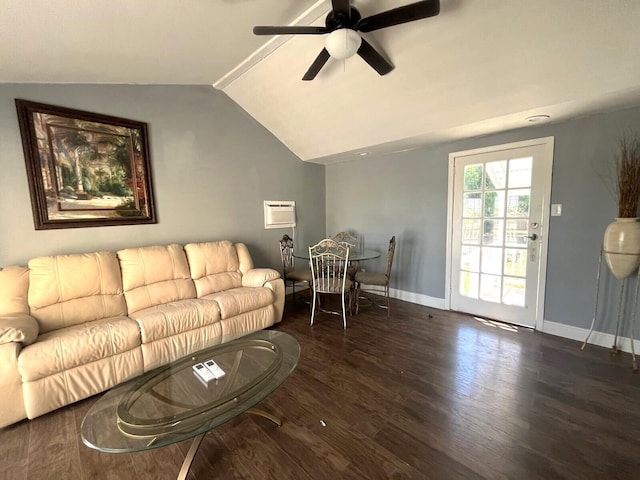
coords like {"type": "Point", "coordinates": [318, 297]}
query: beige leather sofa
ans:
{"type": "Point", "coordinates": [72, 326]}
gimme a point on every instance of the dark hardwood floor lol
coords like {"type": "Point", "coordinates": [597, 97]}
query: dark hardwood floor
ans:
{"type": "Point", "coordinates": [425, 394]}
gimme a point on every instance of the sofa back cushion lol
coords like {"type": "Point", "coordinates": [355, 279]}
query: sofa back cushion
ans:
{"type": "Point", "coordinates": [66, 290]}
{"type": "Point", "coordinates": [14, 285]}
{"type": "Point", "coordinates": [214, 266]}
{"type": "Point", "coordinates": [155, 275]}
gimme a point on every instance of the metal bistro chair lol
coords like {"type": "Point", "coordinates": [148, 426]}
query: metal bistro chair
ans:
{"type": "Point", "coordinates": [289, 273]}
{"type": "Point", "coordinates": [351, 240]}
{"type": "Point", "coordinates": [378, 279]}
{"type": "Point", "coordinates": [328, 261]}
{"type": "Point", "coordinates": [346, 238]}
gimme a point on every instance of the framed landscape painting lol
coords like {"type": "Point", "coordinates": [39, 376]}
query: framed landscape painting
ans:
{"type": "Point", "coordinates": [85, 169]}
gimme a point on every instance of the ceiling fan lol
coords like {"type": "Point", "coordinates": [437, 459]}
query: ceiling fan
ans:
{"type": "Point", "coordinates": [343, 24]}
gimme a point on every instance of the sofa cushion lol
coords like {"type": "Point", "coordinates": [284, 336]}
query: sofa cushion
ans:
{"type": "Point", "coordinates": [247, 322]}
{"type": "Point", "coordinates": [169, 349]}
{"type": "Point", "coordinates": [14, 285]}
{"type": "Point", "coordinates": [244, 258]}
{"type": "Point", "coordinates": [67, 290]}
{"type": "Point", "coordinates": [154, 276]}
{"type": "Point", "coordinates": [241, 300]}
{"type": "Point", "coordinates": [214, 266]}
{"type": "Point", "coordinates": [174, 330]}
{"type": "Point", "coordinates": [67, 348]}
{"type": "Point", "coordinates": [173, 318]}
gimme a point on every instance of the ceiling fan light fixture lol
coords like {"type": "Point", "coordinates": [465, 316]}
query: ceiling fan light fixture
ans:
{"type": "Point", "coordinates": [343, 43]}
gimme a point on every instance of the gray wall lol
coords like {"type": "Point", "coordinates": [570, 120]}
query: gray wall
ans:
{"type": "Point", "coordinates": [405, 194]}
{"type": "Point", "coordinates": [212, 166]}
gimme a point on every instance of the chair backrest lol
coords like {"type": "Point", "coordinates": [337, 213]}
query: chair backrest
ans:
{"type": "Point", "coordinates": [390, 252]}
{"type": "Point", "coordinates": [286, 253]}
{"type": "Point", "coordinates": [345, 238]}
{"type": "Point", "coordinates": [328, 261]}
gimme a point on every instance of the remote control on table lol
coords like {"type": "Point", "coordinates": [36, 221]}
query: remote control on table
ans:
{"type": "Point", "coordinates": [203, 372]}
{"type": "Point", "coordinates": [214, 368]}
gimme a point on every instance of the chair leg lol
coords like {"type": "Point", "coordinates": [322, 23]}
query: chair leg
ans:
{"type": "Point", "coordinates": [386, 294]}
{"type": "Point", "coordinates": [357, 297]}
{"type": "Point", "coordinates": [313, 307]}
{"type": "Point", "coordinates": [344, 312]}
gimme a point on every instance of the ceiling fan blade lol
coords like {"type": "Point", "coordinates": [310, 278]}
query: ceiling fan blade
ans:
{"type": "Point", "coordinates": [396, 16]}
{"type": "Point", "coordinates": [317, 65]}
{"type": "Point", "coordinates": [293, 30]}
{"type": "Point", "coordinates": [373, 58]}
{"type": "Point", "coordinates": [341, 7]}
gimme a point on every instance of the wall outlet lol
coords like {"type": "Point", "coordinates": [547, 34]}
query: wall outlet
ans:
{"type": "Point", "coordinates": [556, 209]}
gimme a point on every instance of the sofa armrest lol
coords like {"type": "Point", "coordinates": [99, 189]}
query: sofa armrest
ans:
{"type": "Point", "coordinates": [18, 327]}
{"type": "Point", "coordinates": [269, 278]}
{"type": "Point", "coordinates": [257, 277]}
{"type": "Point", "coordinates": [11, 397]}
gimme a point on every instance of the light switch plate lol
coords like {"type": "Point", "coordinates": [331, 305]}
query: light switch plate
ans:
{"type": "Point", "coordinates": [556, 209]}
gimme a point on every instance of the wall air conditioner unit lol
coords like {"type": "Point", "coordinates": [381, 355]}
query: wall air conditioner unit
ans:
{"type": "Point", "coordinates": [279, 214]}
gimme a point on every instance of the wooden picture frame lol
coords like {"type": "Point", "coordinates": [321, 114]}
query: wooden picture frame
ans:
{"type": "Point", "coordinates": [85, 169]}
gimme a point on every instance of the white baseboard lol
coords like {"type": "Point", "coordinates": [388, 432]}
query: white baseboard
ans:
{"type": "Point", "coordinates": [418, 298]}
{"type": "Point", "coordinates": [597, 338]}
{"type": "Point", "coordinates": [410, 297]}
{"type": "Point", "coordinates": [552, 328]}
{"type": "Point", "coordinates": [600, 339]}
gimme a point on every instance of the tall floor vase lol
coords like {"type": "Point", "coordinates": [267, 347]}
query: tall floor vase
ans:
{"type": "Point", "coordinates": [621, 246]}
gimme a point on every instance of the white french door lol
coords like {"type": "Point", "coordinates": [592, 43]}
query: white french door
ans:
{"type": "Point", "coordinates": [497, 236]}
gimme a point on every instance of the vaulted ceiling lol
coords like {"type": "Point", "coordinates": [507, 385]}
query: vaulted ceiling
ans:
{"type": "Point", "coordinates": [479, 67]}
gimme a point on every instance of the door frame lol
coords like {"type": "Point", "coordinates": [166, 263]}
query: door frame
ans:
{"type": "Point", "coordinates": [548, 144]}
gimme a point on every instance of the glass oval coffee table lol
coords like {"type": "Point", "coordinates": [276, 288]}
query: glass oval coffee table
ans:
{"type": "Point", "coordinates": [172, 403]}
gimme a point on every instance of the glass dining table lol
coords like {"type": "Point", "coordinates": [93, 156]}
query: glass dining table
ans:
{"type": "Point", "coordinates": [355, 255]}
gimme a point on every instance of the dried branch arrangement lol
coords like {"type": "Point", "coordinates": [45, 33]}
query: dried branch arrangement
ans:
{"type": "Point", "coordinates": [628, 177]}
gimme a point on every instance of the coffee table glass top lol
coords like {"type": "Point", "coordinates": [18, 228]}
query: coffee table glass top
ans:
{"type": "Point", "coordinates": [172, 403]}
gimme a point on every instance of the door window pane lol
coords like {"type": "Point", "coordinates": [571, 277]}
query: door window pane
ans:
{"type": "Point", "coordinates": [518, 203]}
{"type": "Point", "coordinates": [491, 260]}
{"type": "Point", "coordinates": [471, 231]}
{"type": "Point", "coordinates": [516, 233]}
{"type": "Point", "coordinates": [496, 175]}
{"type": "Point", "coordinates": [470, 259]}
{"type": "Point", "coordinates": [515, 262]}
{"type": "Point", "coordinates": [513, 291]}
{"type": "Point", "coordinates": [520, 172]}
{"type": "Point", "coordinates": [494, 204]}
{"type": "Point", "coordinates": [492, 232]}
{"type": "Point", "coordinates": [490, 288]}
{"type": "Point", "coordinates": [473, 177]}
{"type": "Point", "coordinates": [472, 205]}
{"type": "Point", "coordinates": [469, 284]}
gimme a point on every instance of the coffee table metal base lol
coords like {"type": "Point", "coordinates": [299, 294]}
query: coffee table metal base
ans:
{"type": "Point", "coordinates": [193, 449]}
{"type": "Point", "coordinates": [261, 413]}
